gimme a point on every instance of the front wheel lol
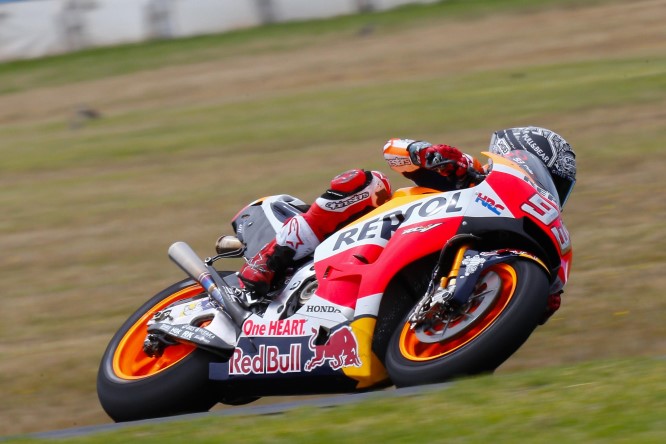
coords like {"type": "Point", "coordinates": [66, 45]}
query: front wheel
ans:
{"type": "Point", "coordinates": [508, 303]}
{"type": "Point", "coordinates": [132, 385]}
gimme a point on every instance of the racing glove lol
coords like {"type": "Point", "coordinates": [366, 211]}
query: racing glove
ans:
{"type": "Point", "coordinates": [444, 159]}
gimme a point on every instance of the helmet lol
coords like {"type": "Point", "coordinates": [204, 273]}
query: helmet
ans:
{"type": "Point", "coordinates": [547, 145]}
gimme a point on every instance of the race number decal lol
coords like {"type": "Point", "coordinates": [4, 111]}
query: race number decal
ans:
{"type": "Point", "coordinates": [541, 209]}
{"type": "Point", "coordinates": [562, 236]}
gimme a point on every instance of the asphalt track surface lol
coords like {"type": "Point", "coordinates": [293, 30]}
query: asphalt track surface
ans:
{"type": "Point", "coordinates": [271, 409]}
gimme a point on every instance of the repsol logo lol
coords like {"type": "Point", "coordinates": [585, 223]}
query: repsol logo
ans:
{"type": "Point", "coordinates": [384, 227]}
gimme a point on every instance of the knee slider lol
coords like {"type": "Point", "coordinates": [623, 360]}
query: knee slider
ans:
{"type": "Point", "coordinates": [350, 181]}
{"type": "Point", "coordinates": [374, 190]}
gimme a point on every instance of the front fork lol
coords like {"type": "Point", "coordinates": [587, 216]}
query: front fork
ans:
{"type": "Point", "coordinates": [449, 281]}
{"type": "Point", "coordinates": [442, 288]}
{"type": "Point", "coordinates": [450, 293]}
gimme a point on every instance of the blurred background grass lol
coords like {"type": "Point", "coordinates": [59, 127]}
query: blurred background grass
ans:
{"type": "Point", "coordinates": [189, 131]}
{"type": "Point", "coordinates": [87, 65]}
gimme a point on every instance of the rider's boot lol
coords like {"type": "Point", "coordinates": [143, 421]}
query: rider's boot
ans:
{"type": "Point", "coordinates": [258, 273]}
{"type": "Point", "coordinates": [295, 240]}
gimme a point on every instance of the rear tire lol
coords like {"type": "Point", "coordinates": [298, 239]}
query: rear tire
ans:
{"type": "Point", "coordinates": [133, 386]}
{"type": "Point", "coordinates": [483, 345]}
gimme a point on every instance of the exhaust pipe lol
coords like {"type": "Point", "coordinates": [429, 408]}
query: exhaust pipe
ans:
{"type": "Point", "coordinates": [183, 255]}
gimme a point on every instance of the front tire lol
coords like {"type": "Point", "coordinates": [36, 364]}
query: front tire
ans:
{"type": "Point", "coordinates": [132, 386]}
{"type": "Point", "coordinates": [503, 324]}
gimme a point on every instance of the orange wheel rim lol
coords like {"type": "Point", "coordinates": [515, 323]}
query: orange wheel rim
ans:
{"type": "Point", "coordinates": [414, 349]}
{"type": "Point", "coordinates": [129, 359]}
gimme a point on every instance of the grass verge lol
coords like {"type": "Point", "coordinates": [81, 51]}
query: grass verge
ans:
{"type": "Point", "coordinates": [617, 401]}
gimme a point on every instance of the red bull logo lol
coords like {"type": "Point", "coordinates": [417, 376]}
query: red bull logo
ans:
{"type": "Point", "coordinates": [267, 361]}
{"type": "Point", "coordinates": [340, 350]}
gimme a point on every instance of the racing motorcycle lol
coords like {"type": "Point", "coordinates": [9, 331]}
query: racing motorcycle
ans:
{"type": "Point", "coordinates": [427, 287]}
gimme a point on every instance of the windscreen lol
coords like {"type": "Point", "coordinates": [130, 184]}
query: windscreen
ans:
{"type": "Point", "coordinates": [536, 170]}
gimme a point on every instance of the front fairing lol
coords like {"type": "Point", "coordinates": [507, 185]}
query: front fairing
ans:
{"type": "Point", "coordinates": [359, 260]}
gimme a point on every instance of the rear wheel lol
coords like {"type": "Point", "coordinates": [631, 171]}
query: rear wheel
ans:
{"type": "Point", "coordinates": [506, 307]}
{"type": "Point", "coordinates": [132, 385]}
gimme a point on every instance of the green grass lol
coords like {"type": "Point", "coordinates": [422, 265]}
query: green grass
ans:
{"type": "Point", "coordinates": [311, 118]}
{"type": "Point", "coordinates": [88, 213]}
{"type": "Point", "coordinates": [621, 401]}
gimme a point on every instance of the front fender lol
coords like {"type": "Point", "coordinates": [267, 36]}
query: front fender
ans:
{"type": "Point", "coordinates": [474, 262]}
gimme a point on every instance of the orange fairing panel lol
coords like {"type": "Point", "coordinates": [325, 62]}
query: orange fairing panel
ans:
{"type": "Point", "coordinates": [371, 372]}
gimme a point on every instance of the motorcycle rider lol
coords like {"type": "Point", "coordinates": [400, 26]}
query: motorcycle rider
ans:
{"type": "Point", "coordinates": [356, 192]}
